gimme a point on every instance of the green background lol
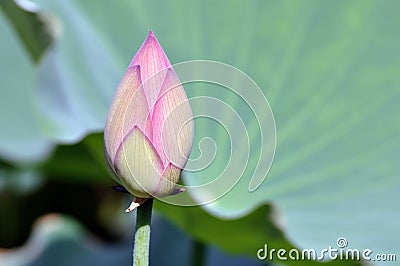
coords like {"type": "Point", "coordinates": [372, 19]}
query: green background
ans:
{"type": "Point", "coordinates": [329, 69]}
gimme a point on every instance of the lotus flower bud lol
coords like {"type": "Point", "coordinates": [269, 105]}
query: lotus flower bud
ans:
{"type": "Point", "coordinates": [149, 130]}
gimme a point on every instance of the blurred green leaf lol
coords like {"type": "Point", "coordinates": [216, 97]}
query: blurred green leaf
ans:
{"type": "Point", "coordinates": [79, 163]}
{"type": "Point", "coordinates": [329, 70]}
{"type": "Point", "coordinates": [60, 240]}
{"type": "Point", "coordinates": [21, 140]}
{"type": "Point", "coordinates": [244, 236]}
{"type": "Point", "coordinates": [31, 27]}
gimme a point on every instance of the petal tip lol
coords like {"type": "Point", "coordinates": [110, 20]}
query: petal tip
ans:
{"type": "Point", "coordinates": [151, 33]}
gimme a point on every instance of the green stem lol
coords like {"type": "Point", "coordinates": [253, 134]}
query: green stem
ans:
{"type": "Point", "coordinates": [198, 253]}
{"type": "Point", "coordinates": [142, 234]}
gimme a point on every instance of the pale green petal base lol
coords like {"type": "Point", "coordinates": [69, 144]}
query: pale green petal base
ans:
{"type": "Point", "coordinates": [140, 169]}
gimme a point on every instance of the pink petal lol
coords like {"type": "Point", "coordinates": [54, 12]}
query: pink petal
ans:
{"type": "Point", "coordinates": [172, 121]}
{"type": "Point", "coordinates": [166, 185]}
{"type": "Point", "coordinates": [128, 109]}
{"type": "Point", "coordinates": [152, 59]}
